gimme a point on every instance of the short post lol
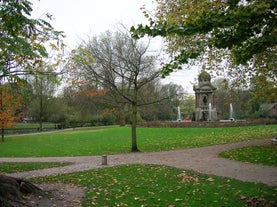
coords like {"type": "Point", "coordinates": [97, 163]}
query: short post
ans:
{"type": "Point", "coordinates": [104, 160]}
{"type": "Point", "coordinates": [274, 141]}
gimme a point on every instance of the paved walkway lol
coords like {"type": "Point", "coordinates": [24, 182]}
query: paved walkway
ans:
{"type": "Point", "coordinates": [204, 160]}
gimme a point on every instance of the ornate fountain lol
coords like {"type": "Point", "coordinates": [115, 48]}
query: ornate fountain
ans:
{"type": "Point", "coordinates": [205, 98]}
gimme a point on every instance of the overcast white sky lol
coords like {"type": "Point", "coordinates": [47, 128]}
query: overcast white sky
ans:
{"type": "Point", "coordinates": [82, 18]}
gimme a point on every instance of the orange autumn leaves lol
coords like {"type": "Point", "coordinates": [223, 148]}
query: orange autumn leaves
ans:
{"type": "Point", "coordinates": [10, 105]}
{"type": "Point", "coordinates": [83, 88]}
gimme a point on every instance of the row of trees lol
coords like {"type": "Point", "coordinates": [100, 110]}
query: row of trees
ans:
{"type": "Point", "coordinates": [247, 102]}
{"type": "Point", "coordinates": [80, 104]}
{"type": "Point", "coordinates": [120, 83]}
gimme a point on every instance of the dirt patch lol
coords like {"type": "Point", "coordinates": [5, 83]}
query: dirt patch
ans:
{"type": "Point", "coordinates": [57, 194]}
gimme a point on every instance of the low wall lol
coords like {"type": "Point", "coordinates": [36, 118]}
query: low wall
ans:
{"type": "Point", "coordinates": [223, 123]}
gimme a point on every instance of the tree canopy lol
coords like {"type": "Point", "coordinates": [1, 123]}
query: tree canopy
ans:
{"type": "Point", "coordinates": [243, 28]}
{"type": "Point", "coordinates": [22, 39]}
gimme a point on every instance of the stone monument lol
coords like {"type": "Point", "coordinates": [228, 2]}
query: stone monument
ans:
{"type": "Point", "coordinates": [205, 109]}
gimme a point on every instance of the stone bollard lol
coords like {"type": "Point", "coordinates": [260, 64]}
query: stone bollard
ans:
{"type": "Point", "coordinates": [274, 141]}
{"type": "Point", "coordinates": [104, 160]}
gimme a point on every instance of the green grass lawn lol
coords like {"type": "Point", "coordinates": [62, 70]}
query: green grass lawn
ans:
{"type": "Point", "coordinates": [33, 125]}
{"type": "Point", "coordinates": [118, 140]}
{"type": "Point", "coordinates": [145, 185]}
{"type": "Point", "coordinates": [265, 155]}
{"type": "Point", "coordinates": [152, 185]}
{"type": "Point", "coordinates": [13, 167]}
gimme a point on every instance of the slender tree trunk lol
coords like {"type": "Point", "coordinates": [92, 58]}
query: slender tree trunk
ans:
{"type": "Point", "coordinates": [40, 125]}
{"type": "Point", "coordinates": [40, 106]}
{"type": "Point", "coordinates": [134, 128]}
{"type": "Point", "coordinates": [1, 110]}
{"type": "Point", "coordinates": [2, 134]}
{"type": "Point", "coordinates": [122, 117]}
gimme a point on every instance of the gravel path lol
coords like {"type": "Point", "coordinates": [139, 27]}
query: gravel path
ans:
{"type": "Point", "coordinates": [204, 160]}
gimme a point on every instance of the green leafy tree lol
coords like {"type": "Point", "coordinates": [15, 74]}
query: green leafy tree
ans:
{"type": "Point", "coordinates": [188, 106]}
{"type": "Point", "coordinates": [196, 29]}
{"type": "Point", "coordinates": [43, 89]}
{"type": "Point", "coordinates": [22, 39]}
{"type": "Point", "coordinates": [245, 101]}
{"type": "Point", "coordinates": [58, 112]}
{"type": "Point", "coordinates": [262, 91]}
{"type": "Point", "coordinates": [22, 49]}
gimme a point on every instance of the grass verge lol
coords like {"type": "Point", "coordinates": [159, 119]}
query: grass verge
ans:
{"type": "Point", "coordinates": [152, 185]}
{"type": "Point", "coordinates": [13, 167]}
{"type": "Point", "coordinates": [265, 155]}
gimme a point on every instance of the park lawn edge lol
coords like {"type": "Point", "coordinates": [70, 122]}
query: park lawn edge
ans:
{"type": "Point", "coordinates": [262, 155]}
{"type": "Point", "coordinates": [156, 185]}
{"type": "Point", "coordinates": [15, 167]}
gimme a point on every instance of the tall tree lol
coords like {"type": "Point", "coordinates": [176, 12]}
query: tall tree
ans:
{"type": "Point", "coordinates": [242, 29]}
{"type": "Point", "coordinates": [121, 65]}
{"type": "Point", "coordinates": [43, 87]}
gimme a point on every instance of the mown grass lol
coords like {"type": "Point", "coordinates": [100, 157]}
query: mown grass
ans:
{"type": "Point", "coordinates": [118, 140]}
{"type": "Point", "coordinates": [265, 155]}
{"type": "Point", "coordinates": [152, 185]}
{"type": "Point", "coordinates": [32, 125]}
{"type": "Point", "coordinates": [145, 185]}
{"type": "Point", "coordinates": [13, 167]}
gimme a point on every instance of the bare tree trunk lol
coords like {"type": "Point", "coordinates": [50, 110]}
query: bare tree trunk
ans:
{"type": "Point", "coordinates": [122, 121]}
{"type": "Point", "coordinates": [2, 134]}
{"type": "Point", "coordinates": [134, 128]}
{"type": "Point", "coordinates": [40, 125]}
{"type": "Point", "coordinates": [40, 113]}
{"type": "Point", "coordinates": [1, 110]}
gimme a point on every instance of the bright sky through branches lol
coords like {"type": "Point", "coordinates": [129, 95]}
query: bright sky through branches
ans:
{"type": "Point", "coordinates": [83, 18]}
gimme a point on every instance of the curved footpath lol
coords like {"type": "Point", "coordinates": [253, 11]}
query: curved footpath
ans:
{"type": "Point", "coordinates": [204, 160]}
